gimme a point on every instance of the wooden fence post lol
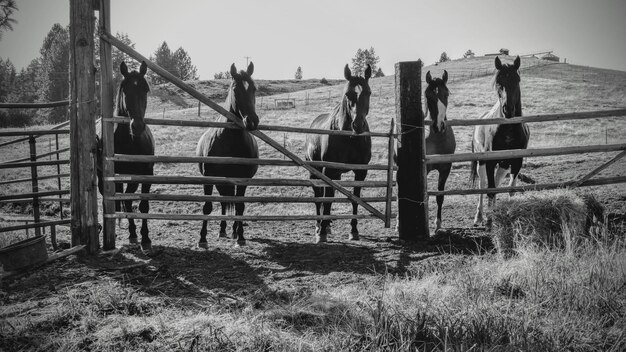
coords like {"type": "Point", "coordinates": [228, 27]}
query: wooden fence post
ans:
{"type": "Point", "coordinates": [84, 205]}
{"type": "Point", "coordinates": [32, 142]}
{"type": "Point", "coordinates": [411, 159]}
{"type": "Point", "coordinates": [106, 91]}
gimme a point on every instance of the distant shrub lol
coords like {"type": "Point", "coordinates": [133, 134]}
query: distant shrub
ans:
{"type": "Point", "coordinates": [323, 81]}
{"type": "Point", "coordinates": [15, 118]}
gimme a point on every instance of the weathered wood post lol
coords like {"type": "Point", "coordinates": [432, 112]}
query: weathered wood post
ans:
{"type": "Point", "coordinates": [106, 96]}
{"type": "Point", "coordinates": [32, 142]}
{"type": "Point", "coordinates": [84, 205]}
{"type": "Point", "coordinates": [411, 159]}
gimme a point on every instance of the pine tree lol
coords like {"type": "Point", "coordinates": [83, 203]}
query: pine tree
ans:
{"type": "Point", "coordinates": [186, 69]}
{"type": "Point", "coordinates": [163, 57]}
{"type": "Point", "coordinates": [379, 73]}
{"type": "Point", "coordinates": [362, 58]}
{"type": "Point", "coordinates": [298, 74]}
{"type": "Point", "coordinates": [444, 57]}
{"type": "Point", "coordinates": [7, 7]}
{"type": "Point", "coordinates": [53, 75]}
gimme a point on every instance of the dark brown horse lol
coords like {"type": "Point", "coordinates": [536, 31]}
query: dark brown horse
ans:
{"type": "Point", "coordinates": [441, 139]}
{"type": "Point", "coordinates": [225, 142]}
{"type": "Point", "coordinates": [349, 115]}
{"type": "Point", "coordinates": [506, 81]}
{"type": "Point", "coordinates": [133, 138]}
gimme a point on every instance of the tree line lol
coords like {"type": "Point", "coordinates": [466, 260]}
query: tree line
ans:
{"type": "Point", "coordinates": [46, 78]}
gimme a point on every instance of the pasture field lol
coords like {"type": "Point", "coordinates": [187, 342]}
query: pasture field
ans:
{"type": "Point", "coordinates": [282, 292]}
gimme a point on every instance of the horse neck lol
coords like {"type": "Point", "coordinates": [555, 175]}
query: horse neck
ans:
{"type": "Point", "coordinates": [341, 119]}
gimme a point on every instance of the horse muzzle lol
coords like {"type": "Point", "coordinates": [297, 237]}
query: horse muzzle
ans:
{"type": "Point", "coordinates": [251, 122]}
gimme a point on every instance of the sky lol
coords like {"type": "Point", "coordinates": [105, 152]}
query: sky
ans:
{"type": "Point", "coordinates": [321, 36]}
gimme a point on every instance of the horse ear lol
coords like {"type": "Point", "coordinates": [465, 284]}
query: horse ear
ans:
{"type": "Point", "coordinates": [233, 70]}
{"type": "Point", "coordinates": [498, 63]}
{"type": "Point", "coordinates": [347, 73]}
{"type": "Point", "coordinates": [517, 63]}
{"type": "Point", "coordinates": [250, 69]}
{"type": "Point", "coordinates": [123, 69]}
{"type": "Point", "coordinates": [368, 72]}
{"type": "Point", "coordinates": [445, 76]}
{"type": "Point", "coordinates": [429, 78]}
{"type": "Point", "coordinates": [143, 68]}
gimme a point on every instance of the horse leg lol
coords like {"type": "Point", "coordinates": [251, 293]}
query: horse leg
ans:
{"type": "Point", "coordinates": [444, 172]}
{"type": "Point", "coordinates": [482, 183]}
{"type": "Point", "coordinates": [359, 175]}
{"type": "Point", "coordinates": [329, 192]}
{"type": "Point", "coordinates": [516, 166]}
{"type": "Point", "coordinates": [144, 207]}
{"type": "Point", "coordinates": [318, 193]}
{"type": "Point", "coordinates": [239, 209]}
{"type": "Point", "coordinates": [227, 191]}
{"type": "Point", "coordinates": [206, 210]}
{"type": "Point", "coordinates": [128, 207]}
{"type": "Point", "coordinates": [119, 188]}
{"type": "Point", "coordinates": [500, 173]}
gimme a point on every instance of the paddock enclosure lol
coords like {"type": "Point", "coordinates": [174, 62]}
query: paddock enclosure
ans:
{"type": "Point", "coordinates": [290, 197]}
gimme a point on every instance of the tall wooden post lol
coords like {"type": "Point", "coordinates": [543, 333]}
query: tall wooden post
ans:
{"type": "Point", "coordinates": [411, 159]}
{"type": "Point", "coordinates": [106, 104]}
{"type": "Point", "coordinates": [84, 205]}
{"type": "Point", "coordinates": [32, 142]}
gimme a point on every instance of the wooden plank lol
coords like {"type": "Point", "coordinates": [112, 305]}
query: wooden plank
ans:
{"type": "Point", "coordinates": [519, 153]}
{"type": "Point", "coordinates": [261, 127]}
{"type": "Point", "coordinates": [52, 104]}
{"type": "Point", "coordinates": [56, 127]}
{"type": "Point", "coordinates": [46, 177]}
{"type": "Point", "coordinates": [35, 194]}
{"type": "Point", "coordinates": [33, 163]}
{"type": "Point", "coordinates": [540, 118]}
{"type": "Point", "coordinates": [240, 161]}
{"type": "Point", "coordinates": [234, 199]}
{"type": "Point", "coordinates": [32, 143]}
{"type": "Point", "coordinates": [27, 201]}
{"type": "Point", "coordinates": [411, 174]}
{"type": "Point", "coordinates": [34, 225]}
{"type": "Point", "coordinates": [199, 217]}
{"type": "Point", "coordinates": [32, 133]}
{"type": "Point", "coordinates": [535, 187]}
{"type": "Point", "coordinates": [194, 93]}
{"type": "Point", "coordinates": [39, 156]}
{"type": "Point", "coordinates": [599, 169]}
{"type": "Point", "coordinates": [55, 256]}
{"type": "Point", "coordinates": [203, 180]}
{"type": "Point", "coordinates": [84, 205]}
{"type": "Point", "coordinates": [108, 149]}
{"type": "Point", "coordinates": [390, 167]}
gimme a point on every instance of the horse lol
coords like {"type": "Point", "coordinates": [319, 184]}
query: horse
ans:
{"type": "Point", "coordinates": [133, 138]}
{"type": "Point", "coordinates": [229, 142]}
{"type": "Point", "coordinates": [349, 115]}
{"type": "Point", "coordinates": [506, 82]}
{"type": "Point", "coordinates": [441, 139]}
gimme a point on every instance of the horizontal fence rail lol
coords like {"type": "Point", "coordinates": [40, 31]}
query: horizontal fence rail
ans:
{"type": "Point", "coordinates": [31, 200]}
{"type": "Point", "coordinates": [536, 187]}
{"type": "Point", "coordinates": [241, 161]}
{"type": "Point", "coordinates": [35, 225]}
{"type": "Point", "coordinates": [38, 156]}
{"type": "Point", "coordinates": [46, 177]}
{"type": "Point", "coordinates": [52, 104]}
{"type": "Point", "coordinates": [210, 180]}
{"type": "Point", "coordinates": [522, 153]}
{"type": "Point", "coordinates": [34, 194]}
{"type": "Point", "coordinates": [122, 215]}
{"type": "Point", "coordinates": [32, 133]}
{"type": "Point", "coordinates": [262, 127]}
{"type": "Point", "coordinates": [33, 163]}
{"type": "Point", "coordinates": [234, 199]}
{"type": "Point", "coordinates": [59, 126]}
{"type": "Point", "coordinates": [538, 118]}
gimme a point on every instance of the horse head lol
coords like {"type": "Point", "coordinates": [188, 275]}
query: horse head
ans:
{"type": "Point", "coordinates": [241, 96]}
{"type": "Point", "coordinates": [132, 97]}
{"type": "Point", "coordinates": [357, 98]}
{"type": "Point", "coordinates": [437, 100]}
{"type": "Point", "coordinates": [506, 82]}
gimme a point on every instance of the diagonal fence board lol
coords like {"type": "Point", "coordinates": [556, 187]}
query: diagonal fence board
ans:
{"type": "Point", "coordinates": [262, 136]}
{"type": "Point", "coordinates": [599, 169]}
